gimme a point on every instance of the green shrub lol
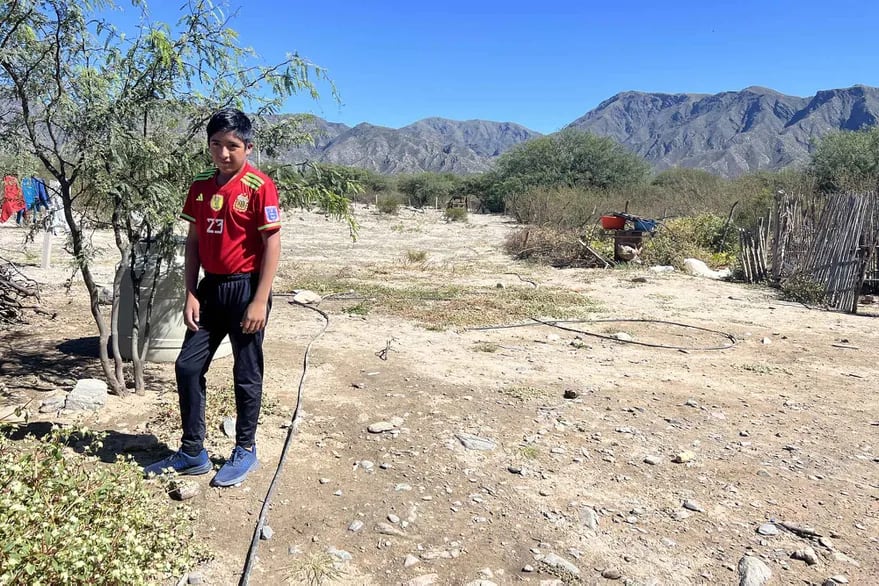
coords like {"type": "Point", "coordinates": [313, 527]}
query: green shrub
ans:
{"type": "Point", "coordinates": [414, 256]}
{"type": "Point", "coordinates": [700, 237]}
{"type": "Point", "coordinates": [455, 214]}
{"type": "Point", "coordinates": [803, 289]}
{"type": "Point", "coordinates": [66, 518]}
{"type": "Point", "coordinates": [388, 204]}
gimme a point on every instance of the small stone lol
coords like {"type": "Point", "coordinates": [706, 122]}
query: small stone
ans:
{"type": "Point", "coordinates": [402, 487]}
{"type": "Point", "coordinates": [380, 427]}
{"type": "Point", "coordinates": [410, 561]}
{"type": "Point", "coordinates": [693, 506]}
{"type": "Point", "coordinates": [556, 561]}
{"type": "Point", "coordinates": [394, 519]}
{"type": "Point", "coordinates": [486, 573]}
{"type": "Point", "coordinates": [306, 297]}
{"type": "Point", "coordinates": [266, 533]}
{"type": "Point", "coordinates": [228, 426]}
{"type": "Point", "coordinates": [89, 394]}
{"type": "Point", "coordinates": [324, 480]}
{"type": "Point", "coordinates": [767, 529]}
{"type": "Point", "coordinates": [611, 574]}
{"type": "Point", "coordinates": [388, 529]}
{"type": "Point", "coordinates": [338, 492]}
{"type": "Point", "coordinates": [528, 569]}
{"type": "Point", "coordinates": [589, 518]}
{"type": "Point", "coordinates": [359, 385]}
{"type": "Point", "coordinates": [340, 554]}
{"type": "Point", "coordinates": [766, 341]}
{"type": "Point", "coordinates": [544, 492]}
{"type": "Point", "coordinates": [396, 421]}
{"type": "Point", "coordinates": [423, 580]}
{"type": "Point", "coordinates": [753, 572]}
{"type": "Point", "coordinates": [653, 460]}
{"type": "Point", "coordinates": [807, 554]}
{"type": "Point", "coordinates": [571, 394]}
{"type": "Point", "coordinates": [182, 490]}
{"type": "Point", "coordinates": [691, 403]}
{"type": "Point", "coordinates": [355, 526]}
{"type": "Point", "coordinates": [622, 337]}
{"type": "Point", "coordinates": [367, 465]}
{"type": "Point", "coordinates": [194, 578]}
{"type": "Point", "coordinates": [684, 457]}
{"type": "Point", "coordinates": [836, 579]}
{"type": "Point", "coordinates": [668, 542]}
{"type": "Point", "coordinates": [472, 442]}
{"type": "Point", "coordinates": [514, 469]}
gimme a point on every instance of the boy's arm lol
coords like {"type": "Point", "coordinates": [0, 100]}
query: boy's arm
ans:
{"type": "Point", "coordinates": [257, 312]}
{"type": "Point", "coordinates": [192, 307]}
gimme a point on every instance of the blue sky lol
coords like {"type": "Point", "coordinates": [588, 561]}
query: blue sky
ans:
{"type": "Point", "coordinates": [544, 63]}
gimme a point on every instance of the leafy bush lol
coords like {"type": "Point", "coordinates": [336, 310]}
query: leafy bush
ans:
{"type": "Point", "coordinates": [67, 519]}
{"type": "Point", "coordinates": [455, 214]}
{"type": "Point", "coordinates": [803, 289]}
{"type": "Point", "coordinates": [388, 204]}
{"type": "Point", "coordinates": [700, 237]}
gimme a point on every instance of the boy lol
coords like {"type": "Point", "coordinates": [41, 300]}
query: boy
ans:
{"type": "Point", "coordinates": [234, 235]}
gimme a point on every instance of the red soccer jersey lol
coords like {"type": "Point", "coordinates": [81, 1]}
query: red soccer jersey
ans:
{"type": "Point", "coordinates": [230, 219]}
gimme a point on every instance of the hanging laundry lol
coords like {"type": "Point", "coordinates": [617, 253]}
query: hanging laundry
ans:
{"type": "Point", "coordinates": [42, 193]}
{"type": "Point", "coordinates": [13, 200]}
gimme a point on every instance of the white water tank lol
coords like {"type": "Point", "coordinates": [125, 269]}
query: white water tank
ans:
{"type": "Point", "coordinates": [166, 322]}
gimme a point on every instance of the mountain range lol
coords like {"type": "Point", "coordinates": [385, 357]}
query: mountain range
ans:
{"type": "Point", "coordinates": [729, 133]}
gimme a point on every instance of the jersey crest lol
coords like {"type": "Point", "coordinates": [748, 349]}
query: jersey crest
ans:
{"type": "Point", "coordinates": [241, 202]}
{"type": "Point", "coordinates": [217, 202]}
{"type": "Point", "coordinates": [200, 197]}
{"type": "Point", "coordinates": [272, 214]}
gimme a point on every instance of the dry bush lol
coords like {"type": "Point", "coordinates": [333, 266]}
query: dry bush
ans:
{"type": "Point", "coordinates": [558, 247]}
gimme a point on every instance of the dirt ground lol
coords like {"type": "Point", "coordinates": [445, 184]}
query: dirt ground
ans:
{"type": "Point", "coordinates": [781, 426]}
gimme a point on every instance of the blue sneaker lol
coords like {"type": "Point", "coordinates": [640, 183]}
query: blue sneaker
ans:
{"type": "Point", "coordinates": [181, 463]}
{"type": "Point", "coordinates": [236, 468]}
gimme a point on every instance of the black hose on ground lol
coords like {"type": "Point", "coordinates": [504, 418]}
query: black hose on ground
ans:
{"type": "Point", "coordinates": [291, 431]}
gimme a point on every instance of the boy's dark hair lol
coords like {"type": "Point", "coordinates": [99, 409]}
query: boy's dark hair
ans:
{"type": "Point", "coordinates": [231, 120]}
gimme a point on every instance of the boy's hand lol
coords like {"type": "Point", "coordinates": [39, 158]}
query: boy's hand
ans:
{"type": "Point", "coordinates": [191, 312]}
{"type": "Point", "coordinates": [254, 317]}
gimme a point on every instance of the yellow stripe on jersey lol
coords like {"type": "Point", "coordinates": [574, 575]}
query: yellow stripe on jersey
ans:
{"type": "Point", "coordinates": [252, 180]}
{"type": "Point", "coordinates": [206, 174]}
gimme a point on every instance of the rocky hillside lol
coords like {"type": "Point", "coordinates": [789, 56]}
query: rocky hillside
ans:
{"type": "Point", "coordinates": [432, 144]}
{"type": "Point", "coordinates": [730, 133]}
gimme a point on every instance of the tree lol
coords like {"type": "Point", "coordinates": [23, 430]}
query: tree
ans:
{"type": "Point", "coordinates": [428, 188]}
{"type": "Point", "coordinates": [570, 158]}
{"type": "Point", "coordinates": [117, 121]}
{"type": "Point", "coordinates": [847, 160]}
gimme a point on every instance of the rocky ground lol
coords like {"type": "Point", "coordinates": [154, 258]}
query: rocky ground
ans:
{"type": "Point", "coordinates": [440, 454]}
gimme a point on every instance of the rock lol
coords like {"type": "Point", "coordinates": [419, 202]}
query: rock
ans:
{"type": "Point", "coordinates": [324, 480]}
{"type": "Point", "coordinates": [52, 404]}
{"type": "Point", "coordinates": [402, 487]}
{"type": "Point", "coordinates": [486, 573]}
{"type": "Point", "coordinates": [472, 442]}
{"type": "Point", "coordinates": [89, 394]}
{"type": "Point", "coordinates": [622, 337]}
{"type": "Point", "coordinates": [338, 492]}
{"type": "Point", "coordinates": [834, 580]}
{"type": "Point", "coordinates": [753, 572]}
{"type": "Point", "coordinates": [555, 561]}
{"type": "Point", "coordinates": [388, 529]}
{"type": "Point", "coordinates": [355, 526]}
{"type": "Point", "coordinates": [366, 465]}
{"type": "Point", "coordinates": [182, 490]}
{"type": "Point", "coordinates": [228, 426]}
{"type": "Point", "coordinates": [528, 569]}
{"type": "Point", "coordinates": [306, 297]}
{"type": "Point", "coordinates": [589, 518]}
{"type": "Point", "coordinates": [394, 519]}
{"type": "Point", "coordinates": [396, 421]}
{"type": "Point", "coordinates": [662, 269]}
{"type": "Point", "coordinates": [611, 574]}
{"type": "Point", "coordinates": [807, 554]}
{"type": "Point", "coordinates": [380, 427]}
{"type": "Point", "coordinates": [194, 578]}
{"type": "Point", "coordinates": [514, 469]}
{"type": "Point", "coordinates": [359, 385]}
{"type": "Point", "coordinates": [639, 279]}
{"type": "Point", "coordinates": [423, 580]}
{"type": "Point", "coordinates": [410, 561]}
{"type": "Point", "coordinates": [693, 506]}
{"type": "Point", "coordinates": [340, 554]}
{"type": "Point", "coordinates": [545, 492]}
{"type": "Point", "coordinates": [653, 460]}
{"type": "Point", "coordinates": [571, 394]}
{"type": "Point", "coordinates": [266, 533]}
{"type": "Point", "coordinates": [684, 457]}
{"type": "Point", "coordinates": [767, 529]}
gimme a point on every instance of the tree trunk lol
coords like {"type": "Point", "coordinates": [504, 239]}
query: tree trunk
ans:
{"type": "Point", "coordinates": [77, 239]}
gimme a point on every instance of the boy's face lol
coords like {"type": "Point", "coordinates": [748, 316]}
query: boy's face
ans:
{"type": "Point", "coordinates": [228, 152]}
